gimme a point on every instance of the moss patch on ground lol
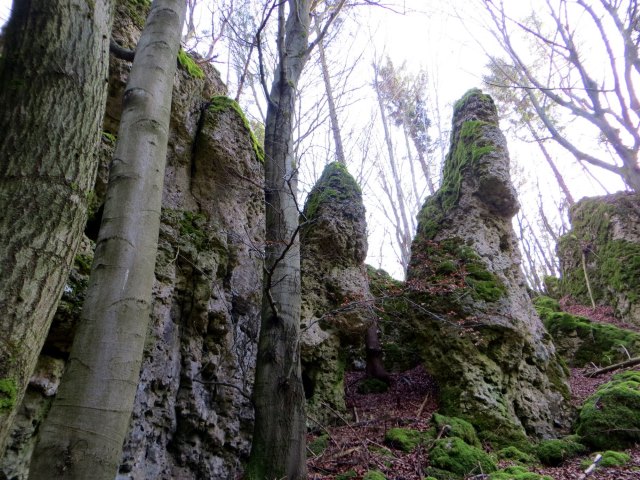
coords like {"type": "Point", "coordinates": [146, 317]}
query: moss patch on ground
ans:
{"type": "Point", "coordinates": [554, 452]}
{"type": "Point", "coordinates": [221, 103]}
{"type": "Point", "coordinates": [517, 473]}
{"type": "Point", "coordinates": [406, 439]}
{"type": "Point", "coordinates": [319, 444]}
{"type": "Point", "coordinates": [456, 456]}
{"type": "Point", "coordinates": [610, 418]}
{"type": "Point", "coordinates": [610, 459]}
{"type": "Point", "coordinates": [514, 454]}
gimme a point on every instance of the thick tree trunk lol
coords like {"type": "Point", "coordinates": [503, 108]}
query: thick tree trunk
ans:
{"type": "Point", "coordinates": [52, 96]}
{"type": "Point", "coordinates": [278, 448]}
{"type": "Point", "coordinates": [82, 436]}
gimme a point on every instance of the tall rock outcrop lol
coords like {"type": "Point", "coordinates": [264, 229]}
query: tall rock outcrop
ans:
{"type": "Point", "coordinates": [481, 337]}
{"type": "Point", "coordinates": [605, 234]}
{"type": "Point", "coordinates": [335, 289]}
{"type": "Point", "coordinates": [193, 416]}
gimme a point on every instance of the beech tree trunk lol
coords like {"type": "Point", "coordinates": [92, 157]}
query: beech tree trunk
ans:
{"type": "Point", "coordinates": [53, 76]}
{"type": "Point", "coordinates": [83, 435]}
{"type": "Point", "coordinates": [278, 448]}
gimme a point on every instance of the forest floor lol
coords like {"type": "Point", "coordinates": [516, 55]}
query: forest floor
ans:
{"type": "Point", "coordinates": [357, 445]}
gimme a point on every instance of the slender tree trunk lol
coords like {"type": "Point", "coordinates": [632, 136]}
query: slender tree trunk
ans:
{"type": "Point", "coordinates": [83, 435]}
{"type": "Point", "coordinates": [52, 96]}
{"type": "Point", "coordinates": [278, 448]}
{"type": "Point", "coordinates": [333, 112]}
{"type": "Point", "coordinates": [403, 229]}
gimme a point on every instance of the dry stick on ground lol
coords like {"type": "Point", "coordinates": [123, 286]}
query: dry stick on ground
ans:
{"type": "Point", "coordinates": [586, 277]}
{"type": "Point", "coordinates": [627, 363]}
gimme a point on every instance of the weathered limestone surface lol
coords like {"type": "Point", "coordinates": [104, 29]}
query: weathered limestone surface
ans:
{"type": "Point", "coordinates": [481, 337]}
{"type": "Point", "coordinates": [193, 417]}
{"type": "Point", "coordinates": [335, 289]}
{"type": "Point", "coordinates": [606, 231]}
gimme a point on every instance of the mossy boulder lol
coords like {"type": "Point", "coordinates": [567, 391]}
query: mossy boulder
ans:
{"type": "Point", "coordinates": [475, 325]}
{"type": "Point", "coordinates": [605, 230]}
{"type": "Point", "coordinates": [610, 418]}
{"type": "Point", "coordinates": [582, 342]}
{"type": "Point", "coordinates": [456, 456]}
{"type": "Point", "coordinates": [455, 427]}
{"type": "Point", "coordinates": [554, 452]}
{"type": "Point", "coordinates": [406, 439]}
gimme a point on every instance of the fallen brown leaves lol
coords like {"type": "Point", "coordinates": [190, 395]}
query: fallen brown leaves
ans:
{"type": "Point", "coordinates": [358, 443]}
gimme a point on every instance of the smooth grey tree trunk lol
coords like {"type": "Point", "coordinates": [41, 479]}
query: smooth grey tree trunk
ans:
{"type": "Point", "coordinates": [53, 75]}
{"type": "Point", "coordinates": [278, 448]}
{"type": "Point", "coordinates": [83, 435]}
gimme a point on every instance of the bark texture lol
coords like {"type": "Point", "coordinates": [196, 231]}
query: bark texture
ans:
{"type": "Point", "coordinates": [83, 435]}
{"type": "Point", "coordinates": [56, 52]}
{"type": "Point", "coordinates": [278, 448]}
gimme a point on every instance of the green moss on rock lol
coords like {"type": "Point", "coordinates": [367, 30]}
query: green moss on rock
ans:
{"type": "Point", "coordinates": [8, 394]}
{"type": "Point", "coordinates": [581, 341]}
{"type": "Point", "coordinates": [613, 263]}
{"type": "Point", "coordinates": [188, 63]}
{"type": "Point", "coordinates": [610, 418]}
{"type": "Point", "coordinates": [138, 11]}
{"type": "Point", "coordinates": [514, 454]}
{"type": "Point", "coordinates": [406, 439]}
{"type": "Point", "coordinates": [335, 184]}
{"type": "Point", "coordinates": [456, 456]}
{"type": "Point", "coordinates": [221, 103]}
{"type": "Point", "coordinates": [554, 452]}
{"type": "Point", "coordinates": [456, 427]}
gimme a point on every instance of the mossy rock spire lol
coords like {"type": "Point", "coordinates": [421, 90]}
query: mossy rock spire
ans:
{"type": "Point", "coordinates": [333, 242]}
{"type": "Point", "coordinates": [480, 336]}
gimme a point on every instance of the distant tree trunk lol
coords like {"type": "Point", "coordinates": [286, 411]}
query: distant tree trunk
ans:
{"type": "Point", "coordinates": [52, 96]}
{"type": "Point", "coordinates": [373, 347]}
{"type": "Point", "coordinates": [333, 112]}
{"type": "Point", "coordinates": [83, 435]}
{"type": "Point", "coordinates": [403, 232]}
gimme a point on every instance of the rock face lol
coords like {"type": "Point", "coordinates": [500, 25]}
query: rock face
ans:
{"type": "Point", "coordinates": [606, 232]}
{"type": "Point", "coordinates": [193, 417]}
{"type": "Point", "coordinates": [480, 335]}
{"type": "Point", "coordinates": [335, 289]}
